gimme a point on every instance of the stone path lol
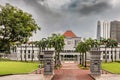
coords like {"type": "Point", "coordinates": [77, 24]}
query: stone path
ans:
{"type": "Point", "coordinates": [23, 77]}
{"type": "Point", "coordinates": [70, 71]}
{"type": "Point", "coordinates": [108, 77]}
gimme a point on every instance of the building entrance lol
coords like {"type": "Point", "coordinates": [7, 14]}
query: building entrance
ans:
{"type": "Point", "coordinates": [69, 58]}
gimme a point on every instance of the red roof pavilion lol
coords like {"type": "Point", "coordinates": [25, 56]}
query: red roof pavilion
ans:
{"type": "Point", "coordinates": [69, 33]}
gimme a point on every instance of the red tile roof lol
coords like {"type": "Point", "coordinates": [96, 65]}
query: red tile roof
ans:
{"type": "Point", "coordinates": [69, 33]}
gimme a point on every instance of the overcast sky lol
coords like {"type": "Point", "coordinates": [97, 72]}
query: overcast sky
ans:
{"type": "Point", "coordinates": [57, 16]}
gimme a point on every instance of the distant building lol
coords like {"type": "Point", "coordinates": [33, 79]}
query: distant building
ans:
{"type": "Point", "coordinates": [98, 30]}
{"type": "Point", "coordinates": [115, 30]}
{"type": "Point", "coordinates": [103, 30]}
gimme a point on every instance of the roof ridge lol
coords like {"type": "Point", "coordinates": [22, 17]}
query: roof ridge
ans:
{"type": "Point", "coordinates": [69, 33]}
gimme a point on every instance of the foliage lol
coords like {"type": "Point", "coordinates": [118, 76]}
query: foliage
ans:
{"type": "Point", "coordinates": [90, 42]}
{"type": "Point", "coordinates": [82, 47]}
{"type": "Point", "coordinates": [82, 67]}
{"type": "Point", "coordinates": [57, 41]}
{"type": "Point", "coordinates": [16, 26]}
{"type": "Point", "coordinates": [112, 43]}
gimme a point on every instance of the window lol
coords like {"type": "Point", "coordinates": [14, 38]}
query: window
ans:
{"type": "Point", "coordinates": [69, 42]}
{"type": "Point", "coordinates": [24, 51]}
{"type": "Point", "coordinates": [28, 56]}
{"type": "Point", "coordinates": [28, 51]}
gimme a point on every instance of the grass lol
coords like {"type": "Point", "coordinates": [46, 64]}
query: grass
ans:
{"type": "Point", "coordinates": [12, 67]}
{"type": "Point", "coordinates": [82, 67]}
{"type": "Point", "coordinates": [113, 67]}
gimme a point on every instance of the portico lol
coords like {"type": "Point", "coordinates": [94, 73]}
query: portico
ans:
{"type": "Point", "coordinates": [74, 57]}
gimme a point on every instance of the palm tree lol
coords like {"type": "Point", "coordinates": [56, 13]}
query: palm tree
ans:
{"type": "Point", "coordinates": [83, 47]}
{"type": "Point", "coordinates": [90, 42]}
{"type": "Point", "coordinates": [57, 41]}
{"type": "Point", "coordinates": [38, 43]}
{"type": "Point", "coordinates": [44, 43]}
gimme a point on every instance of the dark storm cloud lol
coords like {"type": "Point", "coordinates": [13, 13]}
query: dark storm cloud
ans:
{"type": "Point", "coordinates": [60, 15]}
{"type": "Point", "coordinates": [87, 7]}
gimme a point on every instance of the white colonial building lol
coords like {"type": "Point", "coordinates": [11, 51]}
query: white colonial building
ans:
{"type": "Point", "coordinates": [69, 53]}
{"type": "Point", "coordinates": [30, 51]}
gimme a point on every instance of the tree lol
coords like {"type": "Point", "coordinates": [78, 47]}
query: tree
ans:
{"type": "Point", "coordinates": [39, 43]}
{"type": "Point", "coordinates": [90, 42]}
{"type": "Point", "coordinates": [83, 47]}
{"type": "Point", "coordinates": [57, 42]}
{"type": "Point", "coordinates": [16, 26]}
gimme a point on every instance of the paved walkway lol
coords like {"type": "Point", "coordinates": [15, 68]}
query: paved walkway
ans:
{"type": "Point", "coordinates": [108, 77]}
{"type": "Point", "coordinates": [23, 77]}
{"type": "Point", "coordinates": [70, 71]}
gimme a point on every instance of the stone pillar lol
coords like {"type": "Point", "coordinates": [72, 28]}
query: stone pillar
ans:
{"type": "Point", "coordinates": [95, 63]}
{"type": "Point", "coordinates": [48, 62]}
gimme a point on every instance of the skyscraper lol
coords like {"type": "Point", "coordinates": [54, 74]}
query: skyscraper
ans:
{"type": "Point", "coordinates": [98, 30]}
{"type": "Point", "coordinates": [103, 30]}
{"type": "Point", "coordinates": [115, 30]}
{"type": "Point", "coordinates": [106, 30]}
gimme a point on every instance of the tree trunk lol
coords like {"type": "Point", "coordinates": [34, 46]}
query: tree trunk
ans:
{"type": "Point", "coordinates": [115, 55]}
{"type": "Point", "coordinates": [59, 63]}
{"type": "Point", "coordinates": [55, 58]}
{"type": "Point", "coordinates": [32, 53]}
{"type": "Point", "coordinates": [80, 58]}
{"type": "Point", "coordinates": [85, 60]}
{"type": "Point", "coordinates": [25, 53]}
{"type": "Point", "coordinates": [21, 53]}
{"type": "Point", "coordinates": [105, 55]}
{"type": "Point", "coordinates": [112, 54]}
{"type": "Point", "coordinates": [39, 53]}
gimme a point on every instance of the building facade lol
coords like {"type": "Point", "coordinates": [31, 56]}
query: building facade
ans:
{"type": "Point", "coordinates": [69, 53]}
{"type": "Point", "coordinates": [107, 30]}
{"type": "Point", "coordinates": [115, 30]}
{"type": "Point", "coordinates": [29, 51]}
{"type": "Point", "coordinates": [103, 30]}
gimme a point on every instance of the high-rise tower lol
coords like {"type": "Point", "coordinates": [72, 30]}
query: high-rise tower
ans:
{"type": "Point", "coordinates": [115, 30]}
{"type": "Point", "coordinates": [98, 30]}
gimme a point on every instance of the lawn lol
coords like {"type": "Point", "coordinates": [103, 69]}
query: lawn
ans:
{"type": "Point", "coordinates": [10, 67]}
{"type": "Point", "coordinates": [113, 67]}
